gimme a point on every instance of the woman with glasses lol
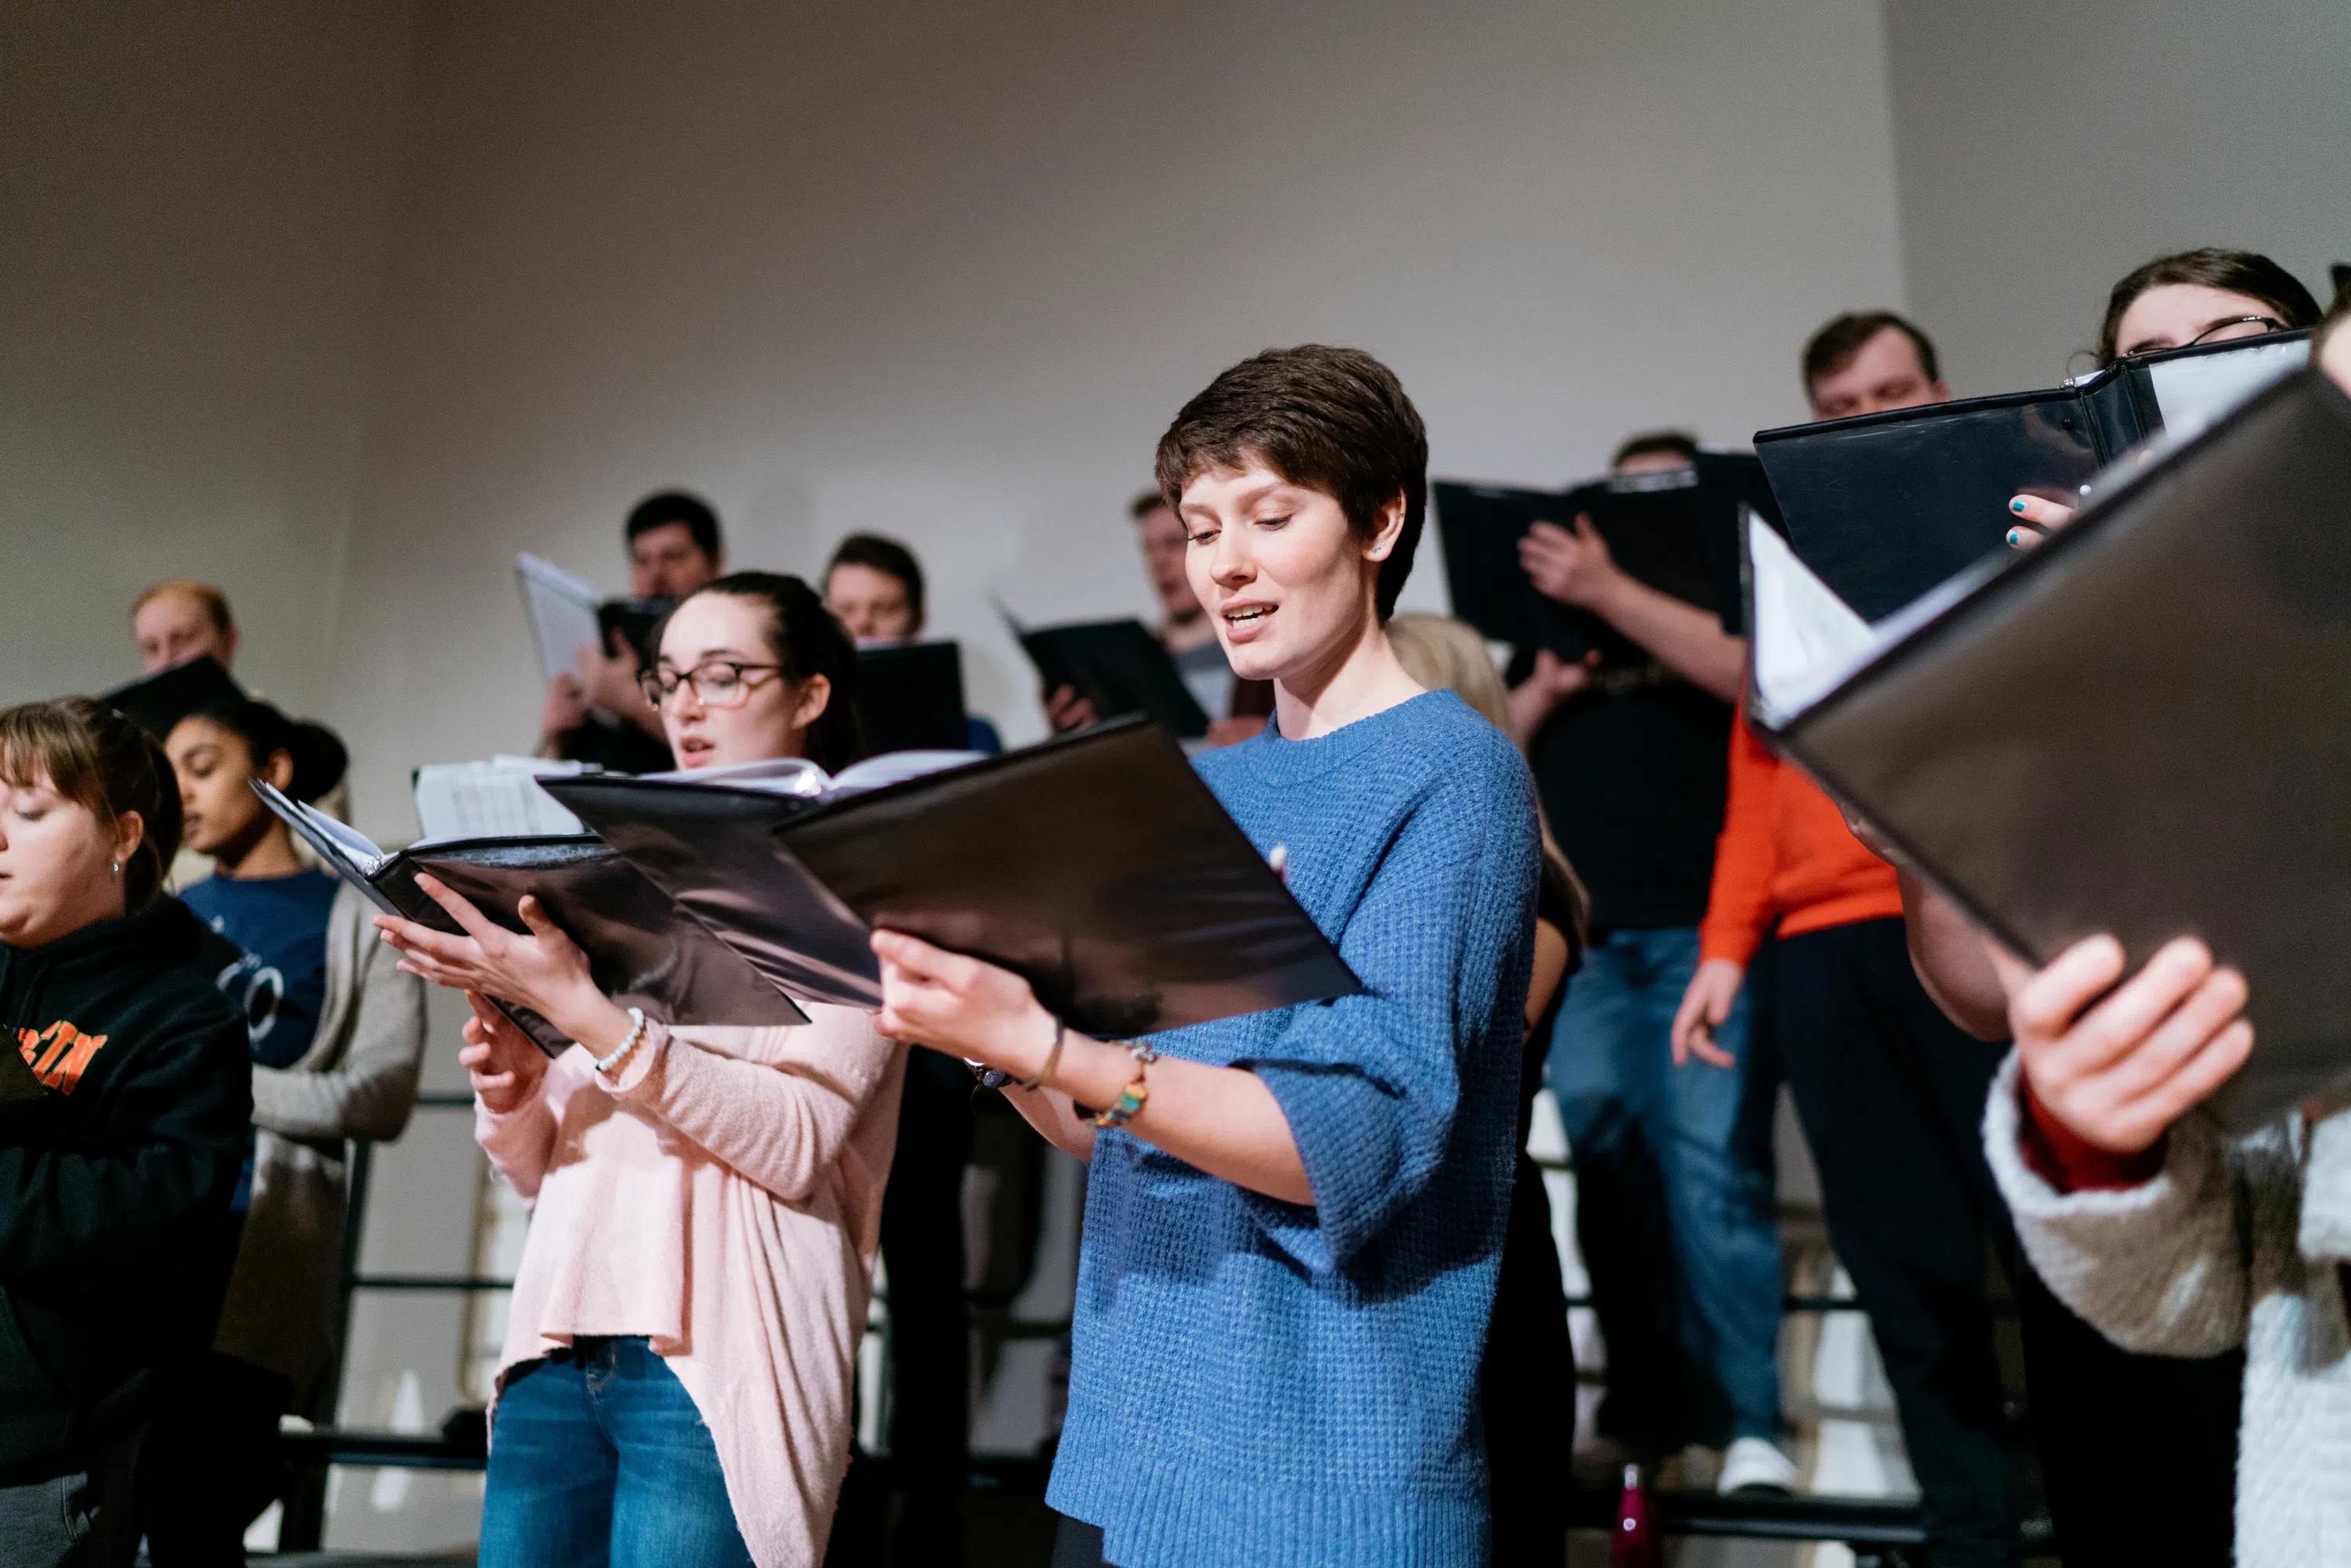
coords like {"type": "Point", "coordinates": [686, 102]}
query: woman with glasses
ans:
{"type": "Point", "coordinates": [2207, 296]}
{"type": "Point", "coordinates": [675, 1384]}
{"type": "Point", "coordinates": [2114, 1428]}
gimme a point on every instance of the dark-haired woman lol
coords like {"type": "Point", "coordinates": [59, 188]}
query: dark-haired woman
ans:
{"type": "Point", "coordinates": [675, 1386]}
{"type": "Point", "coordinates": [337, 1035]}
{"type": "Point", "coordinates": [123, 1113]}
{"type": "Point", "coordinates": [1294, 1219]}
{"type": "Point", "coordinates": [2207, 296]}
{"type": "Point", "coordinates": [2114, 1428]}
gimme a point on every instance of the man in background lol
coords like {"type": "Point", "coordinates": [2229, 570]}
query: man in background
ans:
{"type": "Point", "coordinates": [1236, 709]}
{"type": "Point", "coordinates": [1890, 1092]}
{"type": "Point", "coordinates": [1675, 1184]}
{"type": "Point", "coordinates": [601, 714]}
{"type": "Point", "coordinates": [181, 620]}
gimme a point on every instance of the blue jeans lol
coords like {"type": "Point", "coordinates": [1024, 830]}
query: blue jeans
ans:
{"type": "Point", "coordinates": [598, 1459]}
{"type": "Point", "coordinates": [1706, 1131]}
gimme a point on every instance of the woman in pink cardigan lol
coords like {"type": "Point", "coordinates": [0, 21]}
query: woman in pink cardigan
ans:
{"type": "Point", "coordinates": [675, 1386]}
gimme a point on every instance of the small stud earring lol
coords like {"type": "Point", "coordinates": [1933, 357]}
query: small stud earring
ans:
{"type": "Point", "coordinates": [118, 868]}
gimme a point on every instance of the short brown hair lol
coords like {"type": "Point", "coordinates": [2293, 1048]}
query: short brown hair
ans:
{"type": "Point", "coordinates": [877, 552]}
{"type": "Point", "coordinates": [2244, 272]}
{"type": "Point", "coordinates": [215, 602]}
{"type": "Point", "coordinates": [1144, 504]}
{"type": "Point", "coordinates": [108, 766]}
{"type": "Point", "coordinates": [1334, 420]}
{"type": "Point", "coordinates": [1838, 344]}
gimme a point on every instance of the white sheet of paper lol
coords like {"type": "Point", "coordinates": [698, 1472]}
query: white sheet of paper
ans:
{"type": "Point", "coordinates": [2196, 390]}
{"type": "Point", "coordinates": [799, 776]}
{"type": "Point", "coordinates": [1805, 636]}
{"type": "Point", "coordinates": [562, 613]}
{"type": "Point", "coordinates": [496, 800]}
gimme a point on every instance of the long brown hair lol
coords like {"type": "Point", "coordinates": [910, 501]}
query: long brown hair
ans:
{"type": "Point", "coordinates": [108, 766]}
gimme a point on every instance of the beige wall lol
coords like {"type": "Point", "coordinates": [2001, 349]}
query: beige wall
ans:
{"type": "Point", "coordinates": [948, 271]}
{"type": "Point", "coordinates": [193, 212]}
{"type": "Point", "coordinates": [2046, 150]}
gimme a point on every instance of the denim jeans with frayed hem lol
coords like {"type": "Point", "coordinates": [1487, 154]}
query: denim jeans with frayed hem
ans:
{"type": "Point", "coordinates": [600, 1459]}
{"type": "Point", "coordinates": [1637, 1123]}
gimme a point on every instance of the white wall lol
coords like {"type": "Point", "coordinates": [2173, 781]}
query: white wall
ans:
{"type": "Point", "coordinates": [948, 271]}
{"type": "Point", "coordinates": [2046, 150]}
{"type": "Point", "coordinates": [193, 212]}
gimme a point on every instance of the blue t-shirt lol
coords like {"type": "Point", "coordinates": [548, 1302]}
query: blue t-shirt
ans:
{"type": "Point", "coordinates": [279, 925]}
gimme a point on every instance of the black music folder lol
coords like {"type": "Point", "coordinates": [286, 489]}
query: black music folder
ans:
{"type": "Point", "coordinates": [2138, 726]}
{"type": "Point", "coordinates": [1883, 507]}
{"type": "Point", "coordinates": [1676, 531]}
{"type": "Point", "coordinates": [910, 697]}
{"type": "Point", "coordinates": [1119, 666]}
{"type": "Point", "coordinates": [644, 951]}
{"type": "Point", "coordinates": [1096, 865]}
{"type": "Point", "coordinates": [155, 703]}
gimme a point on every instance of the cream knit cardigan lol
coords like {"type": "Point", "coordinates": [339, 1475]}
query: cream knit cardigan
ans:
{"type": "Point", "coordinates": [2233, 1243]}
{"type": "Point", "coordinates": [722, 1197]}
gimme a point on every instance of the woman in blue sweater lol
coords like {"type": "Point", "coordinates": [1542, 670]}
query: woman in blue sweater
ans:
{"type": "Point", "coordinates": [1294, 1218]}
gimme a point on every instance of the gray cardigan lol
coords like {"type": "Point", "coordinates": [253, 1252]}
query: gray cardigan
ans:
{"type": "Point", "coordinates": [357, 1079]}
{"type": "Point", "coordinates": [2233, 1243]}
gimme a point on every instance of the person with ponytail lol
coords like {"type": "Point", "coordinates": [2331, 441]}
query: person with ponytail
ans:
{"type": "Point", "coordinates": [124, 1107]}
{"type": "Point", "coordinates": [705, 1201]}
{"type": "Point", "coordinates": [336, 1037]}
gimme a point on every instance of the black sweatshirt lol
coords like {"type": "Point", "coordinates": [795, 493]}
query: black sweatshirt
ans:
{"type": "Point", "coordinates": [115, 1180]}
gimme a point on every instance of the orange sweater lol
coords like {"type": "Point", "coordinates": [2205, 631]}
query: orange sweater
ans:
{"type": "Point", "coordinates": [1785, 855]}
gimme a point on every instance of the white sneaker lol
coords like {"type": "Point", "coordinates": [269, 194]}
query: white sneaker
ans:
{"type": "Point", "coordinates": [1752, 1464]}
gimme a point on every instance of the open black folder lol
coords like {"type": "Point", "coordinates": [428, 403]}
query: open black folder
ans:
{"type": "Point", "coordinates": [910, 697]}
{"type": "Point", "coordinates": [1096, 865]}
{"type": "Point", "coordinates": [642, 950]}
{"type": "Point", "coordinates": [2139, 726]}
{"type": "Point", "coordinates": [1884, 507]}
{"type": "Point", "coordinates": [1117, 665]}
{"type": "Point", "coordinates": [1676, 531]}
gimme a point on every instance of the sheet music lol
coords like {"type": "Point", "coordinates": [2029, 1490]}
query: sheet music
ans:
{"type": "Point", "coordinates": [562, 609]}
{"type": "Point", "coordinates": [1805, 636]}
{"type": "Point", "coordinates": [347, 853]}
{"type": "Point", "coordinates": [2196, 389]}
{"type": "Point", "coordinates": [500, 798]}
{"type": "Point", "coordinates": [799, 776]}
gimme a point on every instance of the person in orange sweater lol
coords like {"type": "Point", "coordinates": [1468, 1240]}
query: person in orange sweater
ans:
{"type": "Point", "coordinates": [1889, 1090]}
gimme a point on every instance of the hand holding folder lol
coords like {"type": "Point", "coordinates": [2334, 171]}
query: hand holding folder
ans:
{"type": "Point", "coordinates": [2136, 729]}
{"type": "Point", "coordinates": [1097, 866]}
{"type": "Point", "coordinates": [642, 950]}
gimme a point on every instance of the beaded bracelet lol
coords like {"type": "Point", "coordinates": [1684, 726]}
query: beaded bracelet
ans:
{"type": "Point", "coordinates": [1131, 1098]}
{"type": "Point", "coordinates": [628, 1042]}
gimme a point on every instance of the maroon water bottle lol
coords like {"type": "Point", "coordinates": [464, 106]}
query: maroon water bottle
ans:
{"type": "Point", "coordinates": [1636, 1537]}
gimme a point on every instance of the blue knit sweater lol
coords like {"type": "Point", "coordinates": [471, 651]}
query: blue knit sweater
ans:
{"type": "Point", "coordinates": [1262, 1384]}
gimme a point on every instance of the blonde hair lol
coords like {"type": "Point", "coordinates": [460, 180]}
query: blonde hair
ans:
{"type": "Point", "coordinates": [1442, 652]}
{"type": "Point", "coordinates": [215, 602]}
{"type": "Point", "coordinates": [1438, 651]}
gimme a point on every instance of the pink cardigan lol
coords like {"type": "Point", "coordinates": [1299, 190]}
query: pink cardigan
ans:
{"type": "Point", "coordinates": [723, 1198]}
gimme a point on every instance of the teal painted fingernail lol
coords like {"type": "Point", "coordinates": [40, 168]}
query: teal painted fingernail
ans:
{"type": "Point", "coordinates": [2016, 536]}
{"type": "Point", "coordinates": [2017, 504]}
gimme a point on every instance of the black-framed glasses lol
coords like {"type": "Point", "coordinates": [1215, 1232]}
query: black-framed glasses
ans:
{"type": "Point", "coordinates": [2237, 326]}
{"type": "Point", "coordinates": [716, 683]}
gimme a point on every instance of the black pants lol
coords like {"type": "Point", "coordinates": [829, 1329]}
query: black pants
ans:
{"type": "Point", "coordinates": [929, 1340]}
{"type": "Point", "coordinates": [1892, 1096]}
{"type": "Point", "coordinates": [210, 1464]}
{"type": "Point", "coordinates": [1077, 1544]}
{"type": "Point", "coordinates": [1527, 1385]}
{"type": "Point", "coordinates": [2139, 1452]}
